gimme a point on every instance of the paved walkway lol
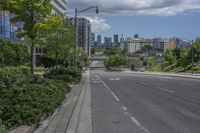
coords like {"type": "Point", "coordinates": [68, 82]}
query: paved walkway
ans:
{"type": "Point", "coordinates": [59, 122]}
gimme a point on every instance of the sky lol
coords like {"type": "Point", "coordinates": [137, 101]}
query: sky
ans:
{"type": "Point", "coordinates": [148, 18]}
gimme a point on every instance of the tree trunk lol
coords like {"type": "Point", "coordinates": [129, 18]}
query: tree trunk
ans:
{"type": "Point", "coordinates": [32, 58]}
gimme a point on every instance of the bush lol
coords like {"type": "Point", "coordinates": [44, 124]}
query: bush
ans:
{"type": "Point", "coordinates": [15, 70]}
{"type": "Point", "coordinates": [13, 54]}
{"type": "Point", "coordinates": [66, 74]}
{"type": "Point", "coordinates": [26, 98]}
{"type": "Point", "coordinates": [30, 103]}
{"type": "Point", "coordinates": [116, 61]}
{"type": "Point", "coordinates": [3, 129]}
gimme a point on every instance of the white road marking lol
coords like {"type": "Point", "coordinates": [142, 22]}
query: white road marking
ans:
{"type": "Point", "coordinates": [190, 114]}
{"type": "Point", "coordinates": [139, 125]}
{"type": "Point", "coordinates": [183, 83]}
{"type": "Point", "coordinates": [136, 122]}
{"type": "Point", "coordinates": [114, 79]}
{"type": "Point", "coordinates": [113, 94]}
{"type": "Point", "coordinates": [143, 83]}
{"type": "Point", "coordinates": [164, 89]}
{"type": "Point", "coordinates": [124, 108]}
{"type": "Point", "coordinates": [116, 98]}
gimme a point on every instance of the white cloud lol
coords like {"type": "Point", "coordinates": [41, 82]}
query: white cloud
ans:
{"type": "Point", "coordinates": [98, 24]}
{"type": "Point", "coordinates": [131, 8]}
{"type": "Point", "coordinates": [139, 7]}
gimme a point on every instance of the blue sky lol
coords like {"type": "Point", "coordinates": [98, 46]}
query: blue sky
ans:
{"type": "Point", "coordinates": [148, 18]}
{"type": "Point", "coordinates": [182, 25]}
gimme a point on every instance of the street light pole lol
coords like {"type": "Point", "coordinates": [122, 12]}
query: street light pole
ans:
{"type": "Point", "coordinates": [75, 24]}
{"type": "Point", "coordinates": [192, 57]}
{"type": "Point", "coordinates": [192, 54]}
{"type": "Point", "coordinates": [76, 29]}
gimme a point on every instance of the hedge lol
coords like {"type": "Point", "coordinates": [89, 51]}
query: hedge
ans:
{"type": "Point", "coordinates": [27, 99]}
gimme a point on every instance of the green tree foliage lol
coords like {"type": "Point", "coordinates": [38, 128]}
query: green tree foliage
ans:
{"type": "Point", "coordinates": [169, 56]}
{"type": "Point", "coordinates": [13, 54]}
{"type": "Point", "coordinates": [60, 41]}
{"type": "Point", "coordinates": [82, 58]}
{"type": "Point", "coordinates": [109, 51]}
{"type": "Point", "coordinates": [32, 13]}
{"type": "Point", "coordinates": [183, 57]}
{"type": "Point", "coordinates": [184, 60]}
{"type": "Point", "coordinates": [116, 61]}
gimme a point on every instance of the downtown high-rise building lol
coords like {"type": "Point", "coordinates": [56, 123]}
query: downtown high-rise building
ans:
{"type": "Point", "coordinates": [93, 39]}
{"type": "Point", "coordinates": [84, 34]}
{"type": "Point", "coordinates": [115, 40]}
{"type": "Point", "coordinates": [99, 42]}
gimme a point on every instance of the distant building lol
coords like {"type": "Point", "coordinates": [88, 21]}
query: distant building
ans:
{"type": "Point", "coordinates": [107, 41]}
{"type": "Point", "coordinates": [122, 42]}
{"type": "Point", "coordinates": [110, 41]}
{"type": "Point", "coordinates": [144, 42]}
{"type": "Point", "coordinates": [84, 35]}
{"type": "Point", "coordinates": [131, 45]}
{"type": "Point", "coordinates": [93, 40]}
{"type": "Point", "coordinates": [136, 36]}
{"type": "Point", "coordinates": [99, 42]}
{"type": "Point", "coordinates": [161, 44]}
{"type": "Point", "coordinates": [116, 40]}
{"type": "Point", "coordinates": [175, 42]}
{"type": "Point", "coordinates": [184, 44]}
{"type": "Point", "coordinates": [59, 6]}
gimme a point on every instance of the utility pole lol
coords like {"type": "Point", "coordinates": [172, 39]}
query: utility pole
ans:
{"type": "Point", "coordinates": [76, 28]}
{"type": "Point", "coordinates": [192, 57]}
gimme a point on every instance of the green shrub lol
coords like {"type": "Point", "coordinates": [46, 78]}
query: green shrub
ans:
{"type": "Point", "coordinates": [15, 70]}
{"type": "Point", "coordinates": [66, 74]}
{"type": "Point", "coordinates": [27, 98]}
{"type": "Point", "coordinates": [31, 102]}
{"type": "Point", "coordinates": [13, 54]}
{"type": "Point", "coordinates": [3, 129]}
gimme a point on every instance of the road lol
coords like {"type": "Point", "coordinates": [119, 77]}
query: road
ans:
{"type": "Point", "coordinates": [133, 103]}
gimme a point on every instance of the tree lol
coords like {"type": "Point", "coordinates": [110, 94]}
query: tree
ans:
{"type": "Point", "coordinates": [169, 56]}
{"type": "Point", "coordinates": [59, 44]}
{"type": "Point", "coordinates": [147, 48]}
{"type": "Point", "coordinates": [82, 58]}
{"type": "Point", "coordinates": [32, 13]}
{"type": "Point", "coordinates": [116, 61]}
{"type": "Point", "coordinates": [112, 51]}
{"type": "Point", "coordinates": [184, 59]}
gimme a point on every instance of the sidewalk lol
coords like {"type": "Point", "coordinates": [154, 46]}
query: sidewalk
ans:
{"type": "Point", "coordinates": [179, 75]}
{"type": "Point", "coordinates": [66, 119]}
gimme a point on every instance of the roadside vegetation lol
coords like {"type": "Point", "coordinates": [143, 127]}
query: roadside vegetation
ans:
{"type": "Point", "coordinates": [177, 60]}
{"type": "Point", "coordinates": [25, 97]}
{"type": "Point", "coordinates": [115, 62]}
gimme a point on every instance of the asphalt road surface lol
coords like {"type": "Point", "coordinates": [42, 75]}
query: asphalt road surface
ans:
{"type": "Point", "coordinates": [130, 103]}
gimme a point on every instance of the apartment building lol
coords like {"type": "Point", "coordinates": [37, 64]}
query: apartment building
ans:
{"type": "Point", "coordinates": [84, 34]}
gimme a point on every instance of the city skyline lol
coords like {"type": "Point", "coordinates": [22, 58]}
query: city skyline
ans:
{"type": "Point", "coordinates": [148, 18]}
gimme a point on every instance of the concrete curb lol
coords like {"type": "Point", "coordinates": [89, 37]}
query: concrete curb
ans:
{"type": "Point", "coordinates": [166, 74]}
{"type": "Point", "coordinates": [59, 121]}
{"type": "Point", "coordinates": [81, 120]}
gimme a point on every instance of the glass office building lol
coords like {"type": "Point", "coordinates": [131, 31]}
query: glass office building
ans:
{"type": "Point", "coordinates": [7, 30]}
